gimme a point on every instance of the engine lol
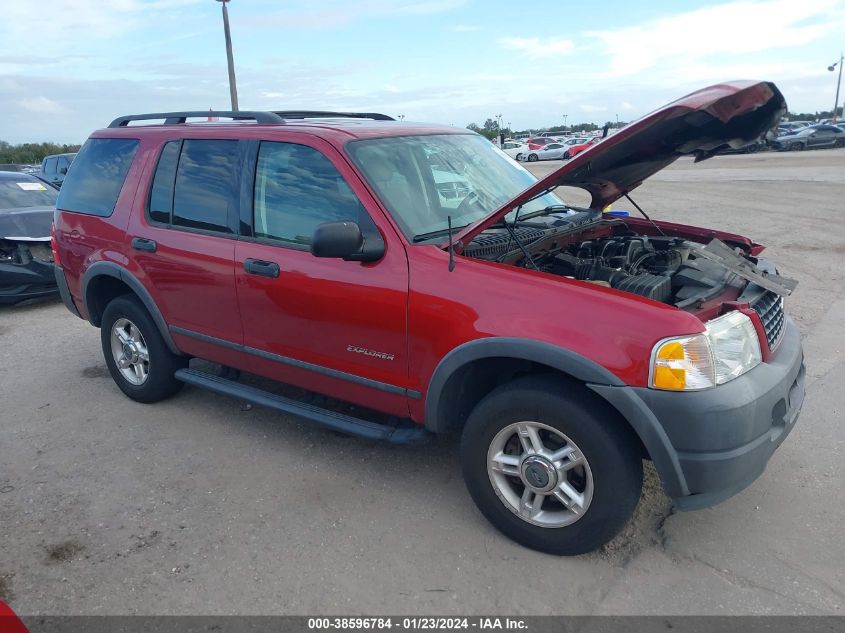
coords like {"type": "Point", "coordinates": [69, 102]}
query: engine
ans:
{"type": "Point", "coordinates": [640, 265]}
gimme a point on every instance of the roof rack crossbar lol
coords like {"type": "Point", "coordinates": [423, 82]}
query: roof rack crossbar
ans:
{"type": "Point", "coordinates": [172, 118]}
{"type": "Point", "coordinates": [321, 114]}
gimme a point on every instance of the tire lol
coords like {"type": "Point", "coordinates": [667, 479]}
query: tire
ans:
{"type": "Point", "coordinates": [840, 142]}
{"type": "Point", "coordinates": [144, 381]}
{"type": "Point", "coordinates": [533, 158]}
{"type": "Point", "coordinates": [800, 147]}
{"type": "Point", "coordinates": [518, 157]}
{"type": "Point", "coordinates": [607, 478]}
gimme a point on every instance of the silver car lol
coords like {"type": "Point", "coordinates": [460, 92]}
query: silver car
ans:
{"type": "Point", "coordinates": [550, 151]}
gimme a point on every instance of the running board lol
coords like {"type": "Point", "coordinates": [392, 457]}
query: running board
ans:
{"type": "Point", "coordinates": [405, 432]}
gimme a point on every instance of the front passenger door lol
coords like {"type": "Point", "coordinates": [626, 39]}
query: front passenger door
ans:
{"type": "Point", "coordinates": [331, 326]}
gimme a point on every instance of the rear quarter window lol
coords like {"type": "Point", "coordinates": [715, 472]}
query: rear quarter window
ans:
{"type": "Point", "coordinates": [96, 176]}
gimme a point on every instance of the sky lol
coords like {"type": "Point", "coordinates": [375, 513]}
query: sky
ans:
{"type": "Point", "coordinates": [68, 67]}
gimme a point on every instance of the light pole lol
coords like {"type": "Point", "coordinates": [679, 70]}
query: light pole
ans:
{"type": "Point", "coordinates": [831, 68]}
{"type": "Point", "coordinates": [564, 121]}
{"type": "Point", "coordinates": [233, 88]}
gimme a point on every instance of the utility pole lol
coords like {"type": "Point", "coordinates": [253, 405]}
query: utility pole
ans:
{"type": "Point", "coordinates": [831, 68]}
{"type": "Point", "coordinates": [233, 88]}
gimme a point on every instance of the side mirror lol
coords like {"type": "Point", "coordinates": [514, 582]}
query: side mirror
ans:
{"type": "Point", "coordinates": [344, 240]}
{"type": "Point", "coordinates": [63, 170]}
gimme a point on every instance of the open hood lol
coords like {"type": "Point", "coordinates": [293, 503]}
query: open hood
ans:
{"type": "Point", "coordinates": [27, 224]}
{"type": "Point", "coordinates": [698, 124]}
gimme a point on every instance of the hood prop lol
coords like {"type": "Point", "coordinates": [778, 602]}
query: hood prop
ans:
{"type": "Point", "coordinates": [645, 215]}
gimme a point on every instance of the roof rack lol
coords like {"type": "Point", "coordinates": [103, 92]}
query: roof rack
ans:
{"type": "Point", "coordinates": [172, 118]}
{"type": "Point", "coordinates": [320, 114]}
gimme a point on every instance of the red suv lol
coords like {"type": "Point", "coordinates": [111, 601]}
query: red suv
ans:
{"type": "Point", "coordinates": [562, 344]}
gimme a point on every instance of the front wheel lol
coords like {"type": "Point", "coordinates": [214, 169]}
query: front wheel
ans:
{"type": "Point", "coordinates": [135, 352]}
{"type": "Point", "coordinates": [533, 157]}
{"type": "Point", "coordinates": [552, 468]}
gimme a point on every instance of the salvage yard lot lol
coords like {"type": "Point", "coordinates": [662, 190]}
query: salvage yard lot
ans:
{"type": "Point", "coordinates": [201, 505]}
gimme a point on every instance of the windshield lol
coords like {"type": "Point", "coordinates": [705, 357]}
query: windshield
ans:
{"type": "Point", "coordinates": [423, 180]}
{"type": "Point", "coordinates": [23, 192]}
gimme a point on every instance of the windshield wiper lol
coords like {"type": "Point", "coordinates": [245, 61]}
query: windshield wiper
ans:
{"type": "Point", "coordinates": [422, 237]}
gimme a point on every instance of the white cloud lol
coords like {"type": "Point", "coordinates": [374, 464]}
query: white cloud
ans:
{"type": "Point", "coordinates": [734, 28]}
{"type": "Point", "coordinates": [535, 47]}
{"type": "Point", "coordinates": [40, 104]}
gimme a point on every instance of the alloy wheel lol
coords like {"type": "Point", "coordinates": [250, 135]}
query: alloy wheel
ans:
{"type": "Point", "coordinates": [130, 353]}
{"type": "Point", "coordinates": [540, 474]}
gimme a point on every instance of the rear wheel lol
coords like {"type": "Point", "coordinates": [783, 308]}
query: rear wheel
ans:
{"type": "Point", "coordinates": [519, 157]}
{"type": "Point", "coordinates": [553, 469]}
{"type": "Point", "coordinates": [135, 352]}
{"type": "Point", "coordinates": [533, 157]}
{"type": "Point", "coordinates": [840, 142]}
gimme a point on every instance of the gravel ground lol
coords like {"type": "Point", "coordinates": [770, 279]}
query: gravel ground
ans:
{"type": "Point", "coordinates": [200, 505]}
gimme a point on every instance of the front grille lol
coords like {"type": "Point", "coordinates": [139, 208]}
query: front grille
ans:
{"type": "Point", "coordinates": [770, 309]}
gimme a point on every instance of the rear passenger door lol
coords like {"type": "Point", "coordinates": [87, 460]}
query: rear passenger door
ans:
{"type": "Point", "coordinates": [184, 242]}
{"type": "Point", "coordinates": [331, 326]}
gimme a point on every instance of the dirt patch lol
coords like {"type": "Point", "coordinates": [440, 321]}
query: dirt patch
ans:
{"type": "Point", "coordinates": [64, 551]}
{"type": "Point", "coordinates": [6, 594]}
{"type": "Point", "coordinates": [646, 526]}
{"type": "Point", "coordinates": [95, 371]}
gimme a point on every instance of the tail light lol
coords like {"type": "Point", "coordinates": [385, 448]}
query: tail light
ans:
{"type": "Point", "coordinates": [54, 245]}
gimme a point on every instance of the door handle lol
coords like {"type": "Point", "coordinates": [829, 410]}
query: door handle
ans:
{"type": "Point", "coordinates": [144, 245]}
{"type": "Point", "coordinates": [260, 267]}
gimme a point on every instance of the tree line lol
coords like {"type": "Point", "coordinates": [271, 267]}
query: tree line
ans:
{"type": "Point", "coordinates": [490, 130]}
{"type": "Point", "coordinates": [32, 153]}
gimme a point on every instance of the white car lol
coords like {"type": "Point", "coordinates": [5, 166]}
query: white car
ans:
{"type": "Point", "coordinates": [515, 149]}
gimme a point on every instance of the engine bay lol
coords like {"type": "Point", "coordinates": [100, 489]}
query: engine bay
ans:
{"type": "Point", "coordinates": [607, 252]}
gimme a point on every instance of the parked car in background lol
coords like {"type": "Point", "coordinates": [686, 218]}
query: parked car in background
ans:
{"type": "Point", "coordinates": [750, 148]}
{"type": "Point", "coordinates": [550, 151]}
{"type": "Point", "coordinates": [538, 141]}
{"type": "Point", "coordinates": [812, 137]}
{"type": "Point", "coordinates": [515, 149]}
{"type": "Point", "coordinates": [795, 125]}
{"type": "Point", "coordinates": [54, 168]}
{"type": "Point", "coordinates": [26, 215]}
{"type": "Point", "coordinates": [576, 148]}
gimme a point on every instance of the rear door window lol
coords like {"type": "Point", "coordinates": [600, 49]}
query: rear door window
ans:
{"type": "Point", "coordinates": [50, 167]}
{"type": "Point", "coordinates": [99, 171]}
{"type": "Point", "coordinates": [205, 196]}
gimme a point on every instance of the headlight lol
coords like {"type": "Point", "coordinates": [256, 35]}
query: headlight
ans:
{"type": "Point", "coordinates": [729, 348]}
{"type": "Point", "coordinates": [735, 345]}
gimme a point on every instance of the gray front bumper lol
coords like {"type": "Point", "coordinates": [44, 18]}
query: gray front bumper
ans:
{"type": "Point", "coordinates": [719, 440]}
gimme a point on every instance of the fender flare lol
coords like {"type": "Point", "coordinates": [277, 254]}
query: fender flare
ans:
{"type": "Point", "coordinates": [110, 269]}
{"type": "Point", "coordinates": [598, 379]}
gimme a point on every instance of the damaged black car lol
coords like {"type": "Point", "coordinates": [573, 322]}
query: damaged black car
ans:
{"type": "Point", "coordinates": [26, 259]}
